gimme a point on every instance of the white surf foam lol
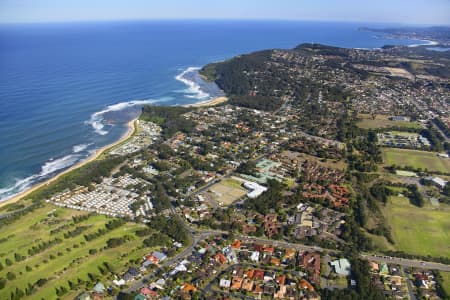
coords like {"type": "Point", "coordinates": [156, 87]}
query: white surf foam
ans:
{"type": "Point", "coordinates": [58, 164]}
{"type": "Point", "coordinates": [194, 90]}
{"type": "Point", "coordinates": [50, 167]}
{"type": "Point", "coordinates": [97, 118]}
{"type": "Point", "coordinates": [425, 43]}
{"type": "Point", "coordinates": [81, 147]}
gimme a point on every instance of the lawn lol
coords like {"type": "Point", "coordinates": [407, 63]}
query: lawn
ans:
{"type": "Point", "coordinates": [446, 283]}
{"type": "Point", "coordinates": [416, 159]}
{"type": "Point", "coordinates": [382, 121]}
{"type": "Point", "coordinates": [69, 260]}
{"type": "Point", "coordinates": [423, 231]}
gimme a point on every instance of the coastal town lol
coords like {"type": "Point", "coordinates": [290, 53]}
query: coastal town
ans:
{"type": "Point", "coordinates": [302, 185]}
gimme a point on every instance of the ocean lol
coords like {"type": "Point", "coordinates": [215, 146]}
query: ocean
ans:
{"type": "Point", "coordinates": [67, 89]}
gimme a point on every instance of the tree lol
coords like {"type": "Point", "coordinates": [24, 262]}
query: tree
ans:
{"type": "Point", "coordinates": [2, 283]}
{"type": "Point", "coordinates": [446, 190]}
{"type": "Point", "coordinates": [248, 168]}
{"type": "Point", "coordinates": [10, 276]}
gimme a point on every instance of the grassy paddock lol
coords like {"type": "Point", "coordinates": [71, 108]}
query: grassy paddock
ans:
{"type": "Point", "coordinates": [416, 159]}
{"type": "Point", "coordinates": [446, 277]}
{"type": "Point", "coordinates": [415, 230]}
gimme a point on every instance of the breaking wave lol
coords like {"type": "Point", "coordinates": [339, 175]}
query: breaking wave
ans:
{"type": "Point", "coordinates": [194, 90]}
{"type": "Point", "coordinates": [50, 167]}
{"type": "Point", "coordinates": [97, 118]}
{"type": "Point", "coordinates": [424, 43]}
{"type": "Point", "coordinates": [81, 147]}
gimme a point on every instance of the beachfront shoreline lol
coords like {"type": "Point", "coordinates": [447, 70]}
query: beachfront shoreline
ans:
{"type": "Point", "coordinates": [131, 129]}
{"type": "Point", "coordinates": [211, 102]}
{"type": "Point", "coordinates": [128, 134]}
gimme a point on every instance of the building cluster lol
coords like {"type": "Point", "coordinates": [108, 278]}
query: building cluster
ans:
{"type": "Point", "coordinates": [403, 140]}
{"type": "Point", "coordinates": [391, 89]}
{"type": "Point", "coordinates": [310, 220]}
{"type": "Point", "coordinates": [401, 283]}
{"type": "Point", "coordinates": [219, 267]}
{"type": "Point", "coordinates": [113, 197]}
{"type": "Point", "coordinates": [146, 133]}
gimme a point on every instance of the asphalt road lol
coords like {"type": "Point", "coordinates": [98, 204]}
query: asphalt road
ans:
{"type": "Point", "coordinates": [137, 285]}
{"type": "Point", "coordinates": [197, 236]}
{"type": "Point", "coordinates": [407, 262]}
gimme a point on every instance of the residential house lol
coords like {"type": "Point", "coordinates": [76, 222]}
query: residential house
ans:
{"type": "Point", "coordinates": [311, 262]}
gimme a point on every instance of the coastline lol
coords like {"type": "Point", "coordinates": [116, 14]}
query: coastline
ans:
{"type": "Point", "coordinates": [128, 134]}
{"type": "Point", "coordinates": [131, 125]}
{"type": "Point", "coordinates": [212, 102]}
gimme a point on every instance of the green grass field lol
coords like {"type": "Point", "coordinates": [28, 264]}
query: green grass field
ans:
{"type": "Point", "coordinates": [69, 260]}
{"type": "Point", "coordinates": [382, 121]}
{"type": "Point", "coordinates": [415, 230]}
{"type": "Point", "coordinates": [416, 159]}
{"type": "Point", "coordinates": [446, 277]}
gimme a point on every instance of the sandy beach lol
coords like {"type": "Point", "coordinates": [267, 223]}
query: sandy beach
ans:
{"type": "Point", "coordinates": [208, 103]}
{"type": "Point", "coordinates": [131, 129]}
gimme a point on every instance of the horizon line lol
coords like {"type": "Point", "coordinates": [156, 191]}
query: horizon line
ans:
{"type": "Point", "coordinates": [222, 20]}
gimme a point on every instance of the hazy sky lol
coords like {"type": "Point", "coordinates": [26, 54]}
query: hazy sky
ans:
{"type": "Point", "coordinates": [397, 11]}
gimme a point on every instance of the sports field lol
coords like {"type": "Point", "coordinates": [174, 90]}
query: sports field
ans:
{"type": "Point", "coordinates": [382, 121]}
{"type": "Point", "coordinates": [416, 159]}
{"type": "Point", "coordinates": [227, 191]}
{"type": "Point", "coordinates": [424, 231]}
{"type": "Point", "coordinates": [72, 259]}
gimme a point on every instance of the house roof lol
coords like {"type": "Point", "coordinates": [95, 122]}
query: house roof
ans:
{"type": "Point", "coordinates": [289, 253]}
{"type": "Point", "coordinates": [250, 273]}
{"type": "Point", "coordinates": [159, 255]}
{"type": "Point", "coordinates": [305, 285]}
{"type": "Point", "coordinates": [236, 282]}
{"type": "Point", "coordinates": [281, 279]}
{"type": "Point", "coordinates": [133, 271]}
{"type": "Point", "coordinates": [236, 244]}
{"type": "Point", "coordinates": [84, 296]}
{"type": "Point", "coordinates": [219, 257]}
{"type": "Point", "coordinates": [99, 288]}
{"type": "Point", "coordinates": [384, 269]}
{"type": "Point", "coordinates": [225, 283]}
{"type": "Point", "coordinates": [341, 266]}
{"type": "Point", "coordinates": [140, 297]}
{"type": "Point", "coordinates": [259, 274]}
{"type": "Point", "coordinates": [189, 287]}
{"type": "Point", "coordinates": [275, 261]}
{"type": "Point", "coordinates": [374, 266]}
{"type": "Point", "coordinates": [148, 292]}
{"type": "Point", "coordinates": [247, 284]}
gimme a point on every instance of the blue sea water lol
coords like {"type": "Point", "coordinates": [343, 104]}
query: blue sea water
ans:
{"type": "Point", "coordinates": [63, 84]}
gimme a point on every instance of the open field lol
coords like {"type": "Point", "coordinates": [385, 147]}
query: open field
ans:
{"type": "Point", "coordinates": [380, 242]}
{"type": "Point", "coordinates": [68, 260]}
{"type": "Point", "coordinates": [227, 191]}
{"type": "Point", "coordinates": [415, 230]}
{"type": "Point", "coordinates": [446, 277]}
{"type": "Point", "coordinates": [382, 121]}
{"type": "Point", "coordinates": [416, 159]}
{"type": "Point", "coordinates": [399, 72]}
{"type": "Point", "coordinates": [328, 163]}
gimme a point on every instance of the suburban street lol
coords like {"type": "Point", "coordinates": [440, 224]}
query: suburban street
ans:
{"type": "Point", "coordinates": [198, 236]}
